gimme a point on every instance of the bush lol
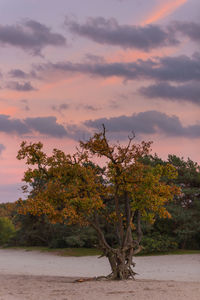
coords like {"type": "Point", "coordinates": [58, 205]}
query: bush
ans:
{"type": "Point", "coordinates": [158, 243]}
{"type": "Point", "coordinates": [7, 230]}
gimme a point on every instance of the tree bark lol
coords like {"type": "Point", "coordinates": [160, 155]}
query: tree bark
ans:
{"type": "Point", "coordinates": [121, 264]}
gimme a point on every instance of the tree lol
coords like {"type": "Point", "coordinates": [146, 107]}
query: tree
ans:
{"type": "Point", "coordinates": [186, 208]}
{"type": "Point", "coordinates": [184, 226]}
{"type": "Point", "coordinates": [8, 210]}
{"type": "Point", "coordinates": [75, 190]}
{"type": "Point", "coordinates": [7, 230]}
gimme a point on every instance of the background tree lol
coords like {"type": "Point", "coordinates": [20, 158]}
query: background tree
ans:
{"type": "Point", "coordinates": [72, 189]}
{"type": "Point", "coordinates": [8, 210]}
{"type": "Point", "coordinates": [7, 230]}
{"type": "Point", "coordinates": [183, 229]}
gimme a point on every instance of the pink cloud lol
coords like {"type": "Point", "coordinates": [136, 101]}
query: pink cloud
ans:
{"type": "Point", "coordinates": [163, 10]}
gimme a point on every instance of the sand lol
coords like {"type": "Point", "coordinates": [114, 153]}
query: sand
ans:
{"type": "Point", "coordinates": [35, 275]}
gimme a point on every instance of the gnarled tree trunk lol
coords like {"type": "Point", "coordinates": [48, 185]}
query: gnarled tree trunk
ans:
{"type": "Point", "coordinates": [121, 258]}
{"type": "Point", "coordinates": [121, 264]}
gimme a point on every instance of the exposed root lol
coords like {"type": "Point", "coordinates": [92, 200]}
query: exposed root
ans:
{"type": "Point", "coordinates": [85, 279]}
{"type": "Point", "coordinates": [110, 276]}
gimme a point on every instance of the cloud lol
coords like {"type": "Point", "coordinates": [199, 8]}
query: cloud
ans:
{"type": "Point", "coordinates": [178, 68]}
{"type": "Point", "coordinates": [30, 36]}
{"type": "Point", "coordinates": [87, 107]}
{"type": "Point", "coordinates": [189, 29]}
{"type": "Point", "coordinates": [78, 132]}
{"type": "Point", "coordinates": [60, 108]}
{"type": "Point", "coordinates": [20, 87]}
{"type": "Point", "coordinates": [147, 123]}
{"type": "Point", "coordinates": [16, 126]}
{"type": "Point", "coordinates": [164, 9]}
{"type": "Point", "coordinates": [113, 104]}
{"type": "Point", "coordinates": [185, 92]}
{"type": "Point", "coordinates": [46, 125]}
{"type": "Point", "coordinates": [25, 104]}
{"type": "Point", "coordinates": [17, 73]}
{"type": "Point", "coordinates": [108, 31]}
{"type": "Point", "coordinates": [2, 147]}
{"type": "Point", "coordinates": [94, 58]}
{"type": "Point", "coordinates": [24, 101]}
{"type": "Point", "coordinates": [41, 125]}
{"type": "Point", "coordinates": [26, 108]}
{"type": "Point", "coordinates": [64, 106]}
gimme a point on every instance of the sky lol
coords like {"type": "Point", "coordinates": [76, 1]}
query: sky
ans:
{"type": "Point", "coordinates": [67, 67]}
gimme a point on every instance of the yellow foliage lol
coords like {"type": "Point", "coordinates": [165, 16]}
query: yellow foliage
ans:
{"type": "Point", "coordinates": [73, 189]}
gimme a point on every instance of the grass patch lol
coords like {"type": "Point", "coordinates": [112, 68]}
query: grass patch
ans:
{"type": "Point", "coordinates": [174, 252]}
{"type": "Point", "coordinates": [62, 252]}
{"type": "Point", "coordinates": [93, 251]}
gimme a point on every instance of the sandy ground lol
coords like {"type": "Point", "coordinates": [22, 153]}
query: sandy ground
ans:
{"type": "Point", "coordinates": [35, 275]}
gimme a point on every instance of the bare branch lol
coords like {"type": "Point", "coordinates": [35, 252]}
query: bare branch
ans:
{"type": "Point", "coordinates": [132, 137]}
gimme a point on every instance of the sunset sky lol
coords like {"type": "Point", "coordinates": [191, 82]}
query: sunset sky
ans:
{"type": "Point", "coordinates": [69, 66]}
